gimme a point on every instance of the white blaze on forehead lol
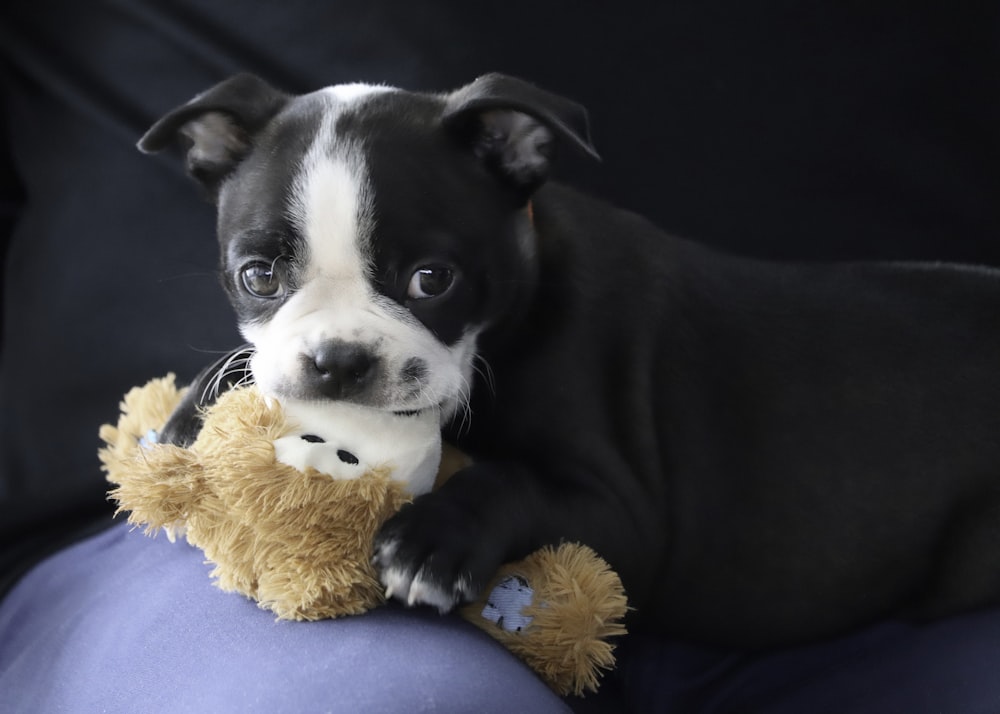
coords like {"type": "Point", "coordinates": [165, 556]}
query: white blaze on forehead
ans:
{"type": "Point", "coordinates": [333, 215]}
{"type": "Point", "coordinates": [331, 204]}
{"type": "Point", "coordinates": [352, 92]}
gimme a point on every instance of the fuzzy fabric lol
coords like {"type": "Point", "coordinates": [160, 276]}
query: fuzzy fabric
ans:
{"type": "Point", "coordinates": [569, 605]}
{"type": "Point", "coordinates": [298, 543]}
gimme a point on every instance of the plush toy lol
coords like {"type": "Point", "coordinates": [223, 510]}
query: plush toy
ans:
{"type": "Point", "coordinates": [285, 501]}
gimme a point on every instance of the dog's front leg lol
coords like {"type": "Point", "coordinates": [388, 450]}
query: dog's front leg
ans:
{"type": "Point", "coordinates": [443, 549]}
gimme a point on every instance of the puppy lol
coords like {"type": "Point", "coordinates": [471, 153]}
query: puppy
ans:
{"type": "Point", "coordinates": [766, 453]}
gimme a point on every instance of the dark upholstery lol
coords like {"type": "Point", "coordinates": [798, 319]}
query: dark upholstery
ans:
{"type": "Point", "coordinates": [818, 131]}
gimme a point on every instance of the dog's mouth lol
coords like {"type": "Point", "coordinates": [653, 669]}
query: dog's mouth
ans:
{"type": "Point", "coordinates": [419, 410]}
{"type": "Point", "coordinates": [397, 408]}
{"type": "Point", "coordinates": [403, 413]}
{"type": "Point", "coordinates": [409, 412]}
{"type": "Point", "coordinates": [396, 411]}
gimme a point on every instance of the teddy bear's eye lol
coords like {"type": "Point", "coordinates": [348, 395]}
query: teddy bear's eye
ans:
{"type": "Point", "coordinates": [343, 454]}
{"type": "Point", "coordinates": [347, 457]}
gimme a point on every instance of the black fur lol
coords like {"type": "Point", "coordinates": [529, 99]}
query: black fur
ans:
{"type": "Point", "coordinates": [766, 453]}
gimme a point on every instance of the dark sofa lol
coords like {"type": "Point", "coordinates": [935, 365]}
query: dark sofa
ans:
{"type": "Point", "coordinates": [816, 130]}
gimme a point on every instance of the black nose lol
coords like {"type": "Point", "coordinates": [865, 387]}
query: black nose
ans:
{"type": "Point", "coordinates": [338, 369]}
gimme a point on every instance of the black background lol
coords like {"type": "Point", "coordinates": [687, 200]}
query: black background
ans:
{"type": "Point", "coordinates": [808, 130]}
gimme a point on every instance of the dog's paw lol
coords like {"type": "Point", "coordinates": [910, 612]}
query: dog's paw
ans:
{"type": "Point", "coordinates": [428, 554]}
{"type": "Point", "coordinates": [419, 583]}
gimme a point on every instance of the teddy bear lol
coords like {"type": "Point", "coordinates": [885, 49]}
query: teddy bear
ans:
{"type": "Point", "coordinates": [285, 500]}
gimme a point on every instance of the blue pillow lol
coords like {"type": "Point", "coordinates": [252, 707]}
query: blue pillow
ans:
{"type": "Point", "coordinates": [123, 623]}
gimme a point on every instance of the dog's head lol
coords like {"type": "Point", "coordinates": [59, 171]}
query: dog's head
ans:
{"type": "Point", "coordinates": [369, 235]}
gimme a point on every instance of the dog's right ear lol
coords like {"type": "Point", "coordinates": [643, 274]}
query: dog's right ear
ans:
{"type": "Point", "coordinates": [216, 129]}
{"type": "Point", "coordinates": [512, 126]}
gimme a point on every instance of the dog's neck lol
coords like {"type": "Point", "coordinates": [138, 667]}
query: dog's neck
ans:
{"type": "Point", "coordinates": [501, 333]}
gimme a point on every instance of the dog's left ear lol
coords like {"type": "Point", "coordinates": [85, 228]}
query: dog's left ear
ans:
{"type": "Point", "coordinates": [217, 128]}
{"type": "Point", "coordinates": [512, 126]}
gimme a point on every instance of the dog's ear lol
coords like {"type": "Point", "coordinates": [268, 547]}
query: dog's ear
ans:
{"type": "Point", "coordinates": [512, 126]}
{"type": "Point", "coordinates": [216, 129]}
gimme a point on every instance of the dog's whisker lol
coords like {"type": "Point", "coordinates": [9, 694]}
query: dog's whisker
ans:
{"type": "Point", "coordinates": [464, 405]}
{"type": "Point", "coordinates": [483, 368]}
{"type": "Point", "coordinates": [235, 364]}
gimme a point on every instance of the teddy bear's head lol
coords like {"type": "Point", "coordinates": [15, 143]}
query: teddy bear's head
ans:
{"type": "Point", "coordinates": [285, 500]}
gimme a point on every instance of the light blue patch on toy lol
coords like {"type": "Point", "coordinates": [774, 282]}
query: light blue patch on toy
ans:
{"type": "Point", "coordinates": [507, 601]}
{"type": "Point", "coordinates": [150, 439]}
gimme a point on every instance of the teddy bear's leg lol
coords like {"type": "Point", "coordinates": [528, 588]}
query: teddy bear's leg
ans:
{"type": "Point", "coordinates": [300, 588]}
{"type": "Point", "coordinates": [290, 588]}
{"type": "Point", "coordinates": [556, 610]}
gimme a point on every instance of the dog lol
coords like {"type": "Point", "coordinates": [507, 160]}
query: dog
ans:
{"type": "Point", "coordinates": [767, 453]}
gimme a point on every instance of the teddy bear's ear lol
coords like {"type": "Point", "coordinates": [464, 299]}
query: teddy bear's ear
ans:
{"type": "Point", "coordinates": [158, 487]}
{"type": "Point", "coordinates": [144, 410]}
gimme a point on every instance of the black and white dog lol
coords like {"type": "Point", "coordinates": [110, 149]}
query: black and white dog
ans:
{"type": "Point", "coordinates": [765, 452]}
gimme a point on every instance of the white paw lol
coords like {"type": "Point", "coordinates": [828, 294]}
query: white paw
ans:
{"type": "Point", "coordinates": [401, 583]}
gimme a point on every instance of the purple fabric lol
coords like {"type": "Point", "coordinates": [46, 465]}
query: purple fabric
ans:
{"type": "Point", "coordinates": [124, 623]}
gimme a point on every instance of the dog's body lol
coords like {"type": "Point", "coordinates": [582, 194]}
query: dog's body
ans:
{"type": "Point", "coordinates": [766, 453]}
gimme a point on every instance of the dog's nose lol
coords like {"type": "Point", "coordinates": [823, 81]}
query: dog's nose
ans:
{"type": "Point", "coordinates": [339, 369]}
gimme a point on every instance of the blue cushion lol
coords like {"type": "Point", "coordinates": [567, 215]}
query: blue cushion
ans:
{"type": "Point", "coordinates": [123, 623]}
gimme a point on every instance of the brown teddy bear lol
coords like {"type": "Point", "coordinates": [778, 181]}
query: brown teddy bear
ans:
{"type": "Point", "coordinates": [285, 500]}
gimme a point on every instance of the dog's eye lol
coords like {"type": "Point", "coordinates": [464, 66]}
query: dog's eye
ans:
{"type": "Point", "coordinates": [262, 280]}
{"type": "Point", "coordinates": [430, 281]}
